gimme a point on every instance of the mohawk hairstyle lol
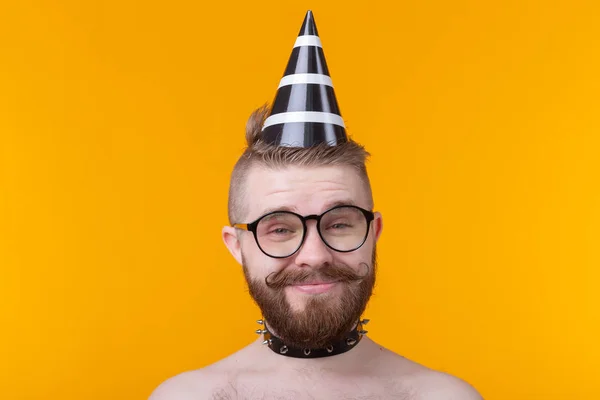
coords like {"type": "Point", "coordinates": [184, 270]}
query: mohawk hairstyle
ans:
{"type": "Point", "coordinates": [259, 153]}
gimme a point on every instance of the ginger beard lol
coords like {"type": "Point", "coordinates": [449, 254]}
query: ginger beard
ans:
{"type": "Point", "coordinates": [324, 319]}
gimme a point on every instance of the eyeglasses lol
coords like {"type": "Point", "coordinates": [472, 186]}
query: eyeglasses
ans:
{"type": "Point", "coordinates": [280, 234]}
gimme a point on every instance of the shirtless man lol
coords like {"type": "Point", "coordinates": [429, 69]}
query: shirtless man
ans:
{"type": "Point", "coordinates": [303, 228]}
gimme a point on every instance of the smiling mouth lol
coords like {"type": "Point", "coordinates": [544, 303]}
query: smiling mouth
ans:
{"type": "Point", "coordinates": [315, 287]}
{"type": "Point", "coordinates": [313, 283]}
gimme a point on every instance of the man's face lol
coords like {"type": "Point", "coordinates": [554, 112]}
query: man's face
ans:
{"type": "Point", "coordinates": [316, 295]}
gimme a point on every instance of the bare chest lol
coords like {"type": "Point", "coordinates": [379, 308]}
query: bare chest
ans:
{"type": "Point", "coordinates": [301, 386]}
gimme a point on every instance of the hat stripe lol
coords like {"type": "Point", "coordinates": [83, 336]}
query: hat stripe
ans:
{"type": "Point", "coordinates": [295, 79]}
{"type": "Point", "coordinates": [304, 116]}
{"type": "Point", "coordinates": [307, 60]}
{"type": "Point", "coordinates": [308, 40]}
{"type": "Point", "coordinates": [305, 97]}
{"type": "Point", "coordinates": [304, 134]}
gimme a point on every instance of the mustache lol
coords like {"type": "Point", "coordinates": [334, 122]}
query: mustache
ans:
{"type": "Point", "coordinates": [327, 273]}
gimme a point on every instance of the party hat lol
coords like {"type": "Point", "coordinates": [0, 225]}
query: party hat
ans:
{"type": "Point", "coordinates": [305, 111]}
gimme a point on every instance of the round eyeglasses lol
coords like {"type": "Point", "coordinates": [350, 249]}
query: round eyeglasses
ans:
{"type": "Point", "coordinates": [280, 234]}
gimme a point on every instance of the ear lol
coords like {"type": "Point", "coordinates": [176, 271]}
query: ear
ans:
{"type": "Point", "coordinates": [230, 237]}
{"type": "Point", "coordinates": [377, 225]}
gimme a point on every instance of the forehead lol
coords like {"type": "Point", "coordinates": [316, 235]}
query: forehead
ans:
{"type": "Point", "coordinates": [306, 190]}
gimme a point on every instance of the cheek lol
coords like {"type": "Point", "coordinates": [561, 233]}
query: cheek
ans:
{"type": "Point", "coordinates": [355, 258]}
{"type": "Point", "coordinates": [259, 265]}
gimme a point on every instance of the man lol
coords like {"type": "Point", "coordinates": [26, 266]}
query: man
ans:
{"type": "Point", "coordinates": [303, 229]}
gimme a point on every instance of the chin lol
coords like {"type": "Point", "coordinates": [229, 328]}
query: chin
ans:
{"type": "Point", "coordinates": [298, 298]}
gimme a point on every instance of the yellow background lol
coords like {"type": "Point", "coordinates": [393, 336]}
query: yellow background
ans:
{"type": "Point", "coordinates": [120, 122]}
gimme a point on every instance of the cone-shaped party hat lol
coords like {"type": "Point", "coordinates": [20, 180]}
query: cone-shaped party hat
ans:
{"type": "Point", "coordinates": [305, 111]}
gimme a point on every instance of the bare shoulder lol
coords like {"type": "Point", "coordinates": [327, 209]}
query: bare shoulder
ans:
{"type": "Point", "coordinates": [212, 381]}
{"type": "Point", "coordinates": [423, 382]}
{"type": "Point", "coordinates": [199, 384]}
{"type": "Point", "coordinates": [435, 385]}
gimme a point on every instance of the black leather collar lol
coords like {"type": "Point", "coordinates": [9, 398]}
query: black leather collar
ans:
{"type": "Point", "coordinates": [347, 343]}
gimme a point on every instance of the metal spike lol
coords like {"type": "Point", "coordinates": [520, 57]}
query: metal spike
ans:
{"type": "Point", "coordinates": [363, 332]}
{"type": "Point", "coordinates": [283, 349]}
{"type": "Point", "coordinates": [365, 321]}
{"type": "Point", "coordinates": [329, 348]}
{"type": "Point", "coordinates": [267, 341]}
{"type": "Point", "coordinates": [260, 321]}
{"type": "Point", "coordinates": [261, 331]}
{"type": "Point", "coordinates": [306, 352]}
{"type": "Point", "coordinates": [350, 341]}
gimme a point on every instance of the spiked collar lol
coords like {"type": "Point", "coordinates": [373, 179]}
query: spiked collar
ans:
{"type": "Point", "coordinates": [278, 346]}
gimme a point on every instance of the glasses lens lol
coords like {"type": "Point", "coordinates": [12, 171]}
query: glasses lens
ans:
{"type": "Point", "coordinates": [279, 234]}
{"type": "Point", "coordinates": [344, 228]}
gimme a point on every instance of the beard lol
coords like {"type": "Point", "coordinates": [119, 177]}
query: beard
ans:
{"type": "Point", "coordinates": [324, 319]}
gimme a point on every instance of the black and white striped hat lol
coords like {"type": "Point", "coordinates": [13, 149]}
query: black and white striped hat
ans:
{"type": "Point", "coordinates": [305, 111]}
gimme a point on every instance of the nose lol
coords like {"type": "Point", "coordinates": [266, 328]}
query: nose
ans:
{"type": "Point", "coordinates": [313, 253]}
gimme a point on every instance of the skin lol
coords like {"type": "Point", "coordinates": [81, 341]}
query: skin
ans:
{"type": "Point", "coordinates": [368, 371]}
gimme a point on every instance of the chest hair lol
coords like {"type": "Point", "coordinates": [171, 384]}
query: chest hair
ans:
{"type": "Point", "coordinates": [275, 392]}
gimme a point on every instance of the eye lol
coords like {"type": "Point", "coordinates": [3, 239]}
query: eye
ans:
{"type": "Point", "coordinates": [340, 225]}
{"type": "Point", "coordinates": [280, 231]}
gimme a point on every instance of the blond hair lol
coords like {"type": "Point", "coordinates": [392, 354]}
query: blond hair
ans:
{"type": "Point", "coordinates": [259, 153]}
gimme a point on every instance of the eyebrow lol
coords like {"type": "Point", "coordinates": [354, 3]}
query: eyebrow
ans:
{"type": "Point", "coordinates": [278, 208]}
{"type": "Point", "coordinates": [329, 205]}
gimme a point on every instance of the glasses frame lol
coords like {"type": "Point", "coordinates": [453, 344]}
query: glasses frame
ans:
{"type": "Point", "coordinates": [252, 226]}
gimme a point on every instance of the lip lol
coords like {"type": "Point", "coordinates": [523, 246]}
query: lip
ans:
{"type": "Point", "coordinates": [315, 287]}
